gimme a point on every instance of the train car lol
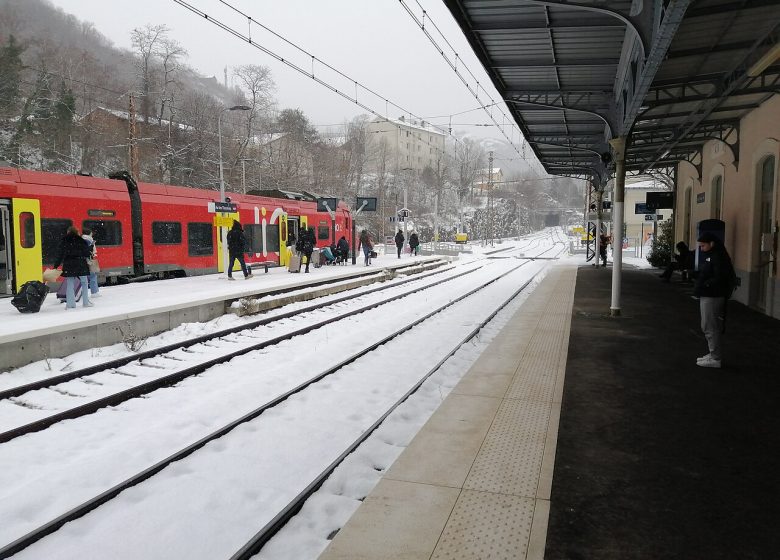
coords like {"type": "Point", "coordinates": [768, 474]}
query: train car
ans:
{"type": "Point", "coordinates": [143, 230]}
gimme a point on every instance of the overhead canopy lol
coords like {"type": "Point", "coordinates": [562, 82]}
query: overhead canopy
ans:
{"type": "Point", "coordinates": [668, 75]}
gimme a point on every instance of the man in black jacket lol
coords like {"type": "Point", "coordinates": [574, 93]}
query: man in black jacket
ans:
{"type": "Point", "coordinates": [399, 242]}
{"type": "Point", "coordinates": [714, 286]}
{"type": "Point", "coordinates": [236, 248]}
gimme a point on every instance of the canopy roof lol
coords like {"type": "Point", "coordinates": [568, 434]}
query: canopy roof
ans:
{"type": "Point", "coordinates": [669, 75]}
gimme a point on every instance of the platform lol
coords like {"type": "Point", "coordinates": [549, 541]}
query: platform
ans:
{"type": "Point", "coordinates": [149, 308]}
{"type": "Point", "coordinates": [653, 456]}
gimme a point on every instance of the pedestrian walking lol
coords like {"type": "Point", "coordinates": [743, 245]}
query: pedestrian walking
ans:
{"type": "Point", "coordinates": [73, 256]}
{"type": "Point", "coordinates": [714, 285]}
{"type": "Point", "coordinates": [399, 241]}
{"type": "Point", "coordinates": [92, 262]}
{"type": "Point", "coordinates": [414, 243]}
{"type": "Point", "coordinates": [366, 244]}
{"type": "Point", "coordinates": [308, 240]}
{"type": "Point", "coordinates": [237, 246]}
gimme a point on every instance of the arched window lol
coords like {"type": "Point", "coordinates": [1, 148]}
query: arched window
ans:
{"type": "Point", "coordinates": [717, 197]}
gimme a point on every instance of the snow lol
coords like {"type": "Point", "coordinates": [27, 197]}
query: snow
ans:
{"type": "Point", "coordinates": [210, 503]}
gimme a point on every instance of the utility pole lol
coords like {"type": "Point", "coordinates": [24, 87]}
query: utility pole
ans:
{"type": "Point", "coordinates": [490, 196]}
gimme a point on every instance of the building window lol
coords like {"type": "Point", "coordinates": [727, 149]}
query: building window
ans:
{"type": "Point", "coordinates": [200, 239]}
{"type": "Point", "coordinates": [52, 232]}
{"type": "Point", "coordinates": [106, 233]}
{"type": "Point", "coordinates": [166, 233]}
{"type": "Point", "coordinates": [27, 229]}
{"type": "Point", "coordinates": [717, 195]}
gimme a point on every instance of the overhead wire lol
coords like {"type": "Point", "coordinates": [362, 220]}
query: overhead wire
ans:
{"type": "Point", "coordinates": [311, 74]}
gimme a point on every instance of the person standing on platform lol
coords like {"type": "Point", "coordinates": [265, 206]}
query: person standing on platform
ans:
{"type": "Point", "coordinates": [73, 256]}
{"type": "Point", "coordinates": [236, 248]}
{"type": "Point", "coordinates": [92, 262]}
{"type": "Point", "coordinates": [399, 241]}
{"type": "Point", "coordinates": [714, 285]}
{"type": "Point", "coordinates": [414, 243]}
{"type": "Point", "coordinates": [366, 244]}
{"type": "Point", "coordinates": [342, 248]}
{"type": "Point", "coordinates": [603, 242]}
{"type": "Point", "coordinates": [309, 240]}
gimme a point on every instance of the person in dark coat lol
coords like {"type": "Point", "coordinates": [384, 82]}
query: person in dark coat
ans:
{"type": "Point", "coordinates": [604, 240]}
{"type": "Point", "coordinates": [342, 249]}
{"type": "Point", "coordinates": [414, 242]}
{"type": "Point", "coordinates": [73, 255]}
{"type": "Point", "coordinates": [683, 261]}
{"type": "Point", "coordinates": [309, 240]}
{"type": "Point", "coordinates": [399, 241]}
{"type": "Point", "coordinates": [713, 287]}
{"type": "Point", "coordinates": [366, 244]}
{"type": "Point", "coordinates": [236, 248]}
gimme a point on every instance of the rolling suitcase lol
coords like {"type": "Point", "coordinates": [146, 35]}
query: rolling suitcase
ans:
{"type": "Point", "coordinates": [61, 290]}
{"type": "Point", "coordinates": [295, 263]}
{"type": "Point", "coordinates": [315, 258]}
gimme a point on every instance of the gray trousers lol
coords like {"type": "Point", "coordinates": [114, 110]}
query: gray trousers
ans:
{"type": "Point", "coordinates": [712, 310]}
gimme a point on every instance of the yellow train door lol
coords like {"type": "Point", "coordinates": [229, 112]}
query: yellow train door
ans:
{"type": "Point", "coordinates": [27, 254]}
{"type": "Point", "coordinates": [284, 253]}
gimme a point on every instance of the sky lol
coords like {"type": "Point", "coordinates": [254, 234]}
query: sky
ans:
{"type": "Point", "coordinates": [374, 42]}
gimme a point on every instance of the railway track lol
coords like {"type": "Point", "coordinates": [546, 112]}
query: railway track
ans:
{"type": "Point", "coordinates": [147, 473]}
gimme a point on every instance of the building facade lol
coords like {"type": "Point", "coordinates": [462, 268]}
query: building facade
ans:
{"type": "Point", "coordinates": [409, 144]}
{"type": "Point", "coordinates": [737, 182]}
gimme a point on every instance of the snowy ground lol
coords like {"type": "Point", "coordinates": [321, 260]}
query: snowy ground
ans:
{"type": "Point", "coordinates": [209, 504]}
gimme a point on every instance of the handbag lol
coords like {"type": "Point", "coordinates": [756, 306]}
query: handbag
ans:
{"type": "Point", "coordinates": [51, 274]}
{"type": "Point", "coordinates": [93, 265]}
{"type": "Point", "coordinates": [373, 254]}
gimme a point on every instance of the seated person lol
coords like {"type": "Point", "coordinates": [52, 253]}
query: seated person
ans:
{"type": "Point", "coordinates": [683, 261]}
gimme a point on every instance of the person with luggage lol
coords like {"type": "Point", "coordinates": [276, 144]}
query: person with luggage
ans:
{"type": "Point", "coordinates": [236, 248]}
{"type": "Point", "coordinates": [308, 241]}
{"type": "Point", "coordinates": [367, 245]}
{"type": "Point", "coordinates": [414, 243]}
{"type": "Point", "coordinates": [714, 285]}
{"type": "Point", "coordinates": [73, 255]}
{"type": "Point", "coordinates": [399, 241]}
{"type": "Point", "coordinates": [92, 262]}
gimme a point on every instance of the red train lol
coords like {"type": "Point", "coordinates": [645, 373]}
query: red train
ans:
{"type": "Point", "coordinates": [143, 230]}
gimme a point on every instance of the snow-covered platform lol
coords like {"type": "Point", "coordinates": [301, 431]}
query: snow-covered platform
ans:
{"type": "Point", "coordinates": [147, 308]}
{"type": "Point", "coordinates": [475, 482]}
{"type": "Point", "coordinates": [650, 456]}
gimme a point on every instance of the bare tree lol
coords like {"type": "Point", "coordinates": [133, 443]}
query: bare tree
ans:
{"type": "Point", "coordinates": [469, 159]}
{"type": "Point", "coordinates": [146, 41]}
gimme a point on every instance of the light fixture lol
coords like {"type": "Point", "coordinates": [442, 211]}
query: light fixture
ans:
{"type": "Point", "coordinates": [769, 58]}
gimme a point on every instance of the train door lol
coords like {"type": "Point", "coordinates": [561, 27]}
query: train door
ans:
{"type": "Point", "coordinates": [26, 255]}
{"type": "Point", "coordinates": [6, 278]}
{"type": "Point", "coordinates": [284, 236]}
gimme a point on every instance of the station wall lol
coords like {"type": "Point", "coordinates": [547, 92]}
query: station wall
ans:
{"type": "Point", "coordinates": [739, 185]}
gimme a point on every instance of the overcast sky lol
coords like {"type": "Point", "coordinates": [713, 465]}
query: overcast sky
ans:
{"type": "Point", "coordinates": [375, 42]}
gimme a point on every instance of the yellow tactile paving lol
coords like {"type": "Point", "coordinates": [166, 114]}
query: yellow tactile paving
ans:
{"type": "Point", "coordinates": [475, 482]}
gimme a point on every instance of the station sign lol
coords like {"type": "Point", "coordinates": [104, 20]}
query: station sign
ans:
{"type": "Point", "coordinates": [366, 203]}
{"type": "Point", "coordinates": [642, 208]}
{"type": "Point", "coordinates": [223, 207]}
{"type": "Point", "coordinates": [326, 204]}
{"type": "Point", "coordinates": [658, 200]}
{"type": "Point", "coordinates": [223, 221]}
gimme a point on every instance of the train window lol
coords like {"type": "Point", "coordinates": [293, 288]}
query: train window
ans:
{"type": "Point", "coordinates": [200, 239]}
{"type": "Point", "coordinates": [272, 239]}
{"type": "Point", "coordinates": [166, 233]}
{"type": "Point", "coordinates": [106, 233]}
{"type": "Point", "coordinates": [323, 232]}
{"type": "Point", "coordinates": [254, 237]}
{"type": "Point", "coordinates": [52, 232]}
{"type": "Point", "coordinates": [27, 229]}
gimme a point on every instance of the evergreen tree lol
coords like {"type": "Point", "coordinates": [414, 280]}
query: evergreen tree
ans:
{"type": "Point", "coordinates": [660, 254]}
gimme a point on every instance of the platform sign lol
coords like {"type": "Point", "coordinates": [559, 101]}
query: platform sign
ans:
{"type": "Point", "coordinates": [224, 221]}
{"type": "Point", "coordinates": [606, 205]}
{"type": "Point", "coordinates": [222, 207]}
{"type": "Point", "coordinates": [642, 208]}
{"type": "Point", "coordinates": [658, 200]}
{"type": "Point", "coordinates": [649, 217]}
{"type": "Point", "coordinates": [367, 203]}
{"type": "Point", "coordinates": [326, 204]}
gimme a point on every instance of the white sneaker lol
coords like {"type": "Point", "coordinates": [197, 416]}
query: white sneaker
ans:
{"type": "Point", "coordinates": [701, 358]}
{"type": "Point", "coordinates": [96, 294]}
{"type": "Point", "coordinates": [709, 361]}
{"type": "Point", "coordinates": [231, 278]}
